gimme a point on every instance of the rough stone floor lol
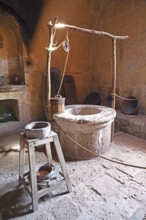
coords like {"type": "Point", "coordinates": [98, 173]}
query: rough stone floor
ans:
{"type": "Point", "coordinates": [101, 190]}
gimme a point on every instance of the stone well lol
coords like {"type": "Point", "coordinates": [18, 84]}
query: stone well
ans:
{"type": "Point", "coordinates": [88, 126]}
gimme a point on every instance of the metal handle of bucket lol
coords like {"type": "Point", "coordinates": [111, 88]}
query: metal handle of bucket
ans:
{"type": "Point", "coordinates": [58, 96]}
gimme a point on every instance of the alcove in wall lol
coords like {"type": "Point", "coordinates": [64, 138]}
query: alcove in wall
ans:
{"type": "Point", "coordinates": [11, 49]}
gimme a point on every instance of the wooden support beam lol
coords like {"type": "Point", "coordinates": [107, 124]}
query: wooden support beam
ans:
{"type": "Point", "coordinates": [114, 82]}
{"type": "Point", "coordinates": [49, 50]}
{"type": "Point", "coordinates": [114, 74]}
{"type": "Point", "coordinates": [84, 30]}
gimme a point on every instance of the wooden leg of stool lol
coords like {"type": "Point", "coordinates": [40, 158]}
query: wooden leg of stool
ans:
{"type": "Point", "coordinates": [62, 161]}
{"type": "Point", "coordinates": [48, 152]}
{"type": "Point", "coordinates": [33, 179]}
{"type": "Point", "coordinates": [21, 159]}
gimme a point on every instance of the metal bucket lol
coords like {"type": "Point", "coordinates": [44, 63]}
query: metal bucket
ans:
{"type": "Point", "coordinates": [130, 107]}
{"type": "Point", "coordinates": [56, 106]}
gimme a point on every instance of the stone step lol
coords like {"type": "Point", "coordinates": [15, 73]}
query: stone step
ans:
{"type": "Point", "coordinates": [131, 124]}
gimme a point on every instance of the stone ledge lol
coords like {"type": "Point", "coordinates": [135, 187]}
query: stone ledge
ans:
{"type": "Point", "coordinates": [11, 88]}
{"type": "Point", "coordinates": [10, 127]}
{"type": "Point", "coordinates": [132, 124]}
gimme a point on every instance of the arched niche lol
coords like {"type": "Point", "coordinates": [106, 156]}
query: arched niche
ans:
{"type": "Point", "coordinates": [11, 48]}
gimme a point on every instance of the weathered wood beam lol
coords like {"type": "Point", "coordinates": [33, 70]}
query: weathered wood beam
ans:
{"type": "Point", "coordinates": [84, 30]}
{"type": "Point", "coordinates": [114, 77]}
{"type": "Point", "coordinates": [114, 74]}
{"type": "Point", "coordinates": [49, 50]}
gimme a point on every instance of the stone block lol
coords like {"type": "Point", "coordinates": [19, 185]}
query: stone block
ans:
{"type": "Point", "coordinates": [132, 124]}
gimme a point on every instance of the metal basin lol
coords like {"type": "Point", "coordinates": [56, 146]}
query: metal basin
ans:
{"type": "Point", "coordinates": [130, 107]}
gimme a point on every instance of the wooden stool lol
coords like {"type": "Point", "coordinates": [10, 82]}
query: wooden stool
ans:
{"type": "Point", "coordinates": [30, 144]}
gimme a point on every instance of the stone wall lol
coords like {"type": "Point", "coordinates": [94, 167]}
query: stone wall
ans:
{"type": "Point", "coordinates": [91, 57]}
{"type": "Point", "coordinates": [122, 18]}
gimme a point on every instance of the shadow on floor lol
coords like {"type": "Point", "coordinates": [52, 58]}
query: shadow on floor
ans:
{"type": "Point", "coordinates": [15, 203]}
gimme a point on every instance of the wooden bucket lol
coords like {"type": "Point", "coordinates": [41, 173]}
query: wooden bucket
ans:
{"type": "Point", "coordinates": [56, 106]}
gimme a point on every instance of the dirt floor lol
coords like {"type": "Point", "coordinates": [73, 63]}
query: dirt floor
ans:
{"type": "Point", "coordinates": [101, 190]}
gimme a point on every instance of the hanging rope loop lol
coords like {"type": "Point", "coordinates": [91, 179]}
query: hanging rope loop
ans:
{"type": "Point", "coordinates": [66, 47]}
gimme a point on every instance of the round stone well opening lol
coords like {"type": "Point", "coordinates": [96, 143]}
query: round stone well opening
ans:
{"type": "Point", "coordinates": [84, 127]}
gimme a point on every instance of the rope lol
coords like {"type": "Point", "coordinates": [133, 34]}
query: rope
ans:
{"type": "Point", "coordinates": [102, 157]}
{"type": "Point", "coordinates": [64, 67]}
{"type": "Point", "coordinates": [118, 96]}
{"type": "Point", "coordinates": [121, 97]}
{"type": "Point", "coordinates": [63, 74]}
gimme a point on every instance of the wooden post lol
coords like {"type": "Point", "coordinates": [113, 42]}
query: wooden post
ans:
{"type": "Point", "coordinates": [49, 62]}
{"type": "Point", "coordinates": [49, 53]}
{"type": "Point", "coordinates": [114, 74]}
{"type": "Point", "coordinates": [114, 83]}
